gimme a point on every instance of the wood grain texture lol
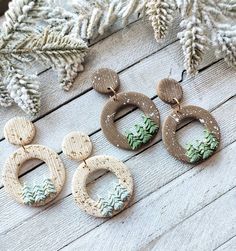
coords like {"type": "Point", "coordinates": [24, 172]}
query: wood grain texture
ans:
{"type": "Point", "coordinates": [195, 190]}
{"type": "Point", "coordinates": [229, 245]}
{"type": "Point", "coordinates": [151, 179]}
{"type": "Point", "coordinates": [137, 74]}
{"type": "Point", "coordinates": [168, 90]}
{"type": "Point", "coordinates": [123, 51]}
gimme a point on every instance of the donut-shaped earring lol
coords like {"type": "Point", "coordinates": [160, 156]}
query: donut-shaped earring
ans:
{"type": "Point", "coordinates": [78, 146]}
{"type": "Point", "coordinates": [20, 131]}
{"type": "Point", "coordinates": [170, 91]}
{"type": "Point", "coordinates": [107, 81]}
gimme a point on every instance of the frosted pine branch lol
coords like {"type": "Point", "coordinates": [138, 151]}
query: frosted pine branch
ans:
{"type": "Point", "coordinates": [200, 27]}
{"type": "Point", "coordinates": [160, 13]}
{"type": "Point", "coordinates": [24, 90]}
{"type": "Point", "coordinates": [225, 43]}
{"type": "Point", "coordinates": [194, 42]}
{"type": "Point", "coordinates": [5, 99]}
{"type": "Point", "coordinates": [96, 17]}
{"type": "Point", "coordinates": [68, 73]}
{"type": "Point", "coordinates": [35, 30]}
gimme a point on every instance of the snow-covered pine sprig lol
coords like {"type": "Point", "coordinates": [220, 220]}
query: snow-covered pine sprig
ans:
{"type": "Point", "coordinates": [24, 90]}
{"type": "Point", "coordinates": [24, 38]}
{"type": "Point", "coordinates": [225, 43]}
{"type": "Point", "coordinates": [160, 13]}
{"type": "Point", "coordinates": [5, 99]}
{"type": "Point", "coordinates": [97, 16]}
{"type": "Point", "coordinates": [204, 23]}
{"type": "Point", "coordinates": [193, 38]}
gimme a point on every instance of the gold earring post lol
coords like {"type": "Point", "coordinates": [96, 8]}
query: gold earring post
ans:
{"type": "Point", "coordinates": [114, 92]}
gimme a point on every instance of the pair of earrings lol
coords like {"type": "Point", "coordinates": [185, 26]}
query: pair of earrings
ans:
{"type": "Point", "coordinates": [77, 146]}
{"type": "Point", "coordinates": [170, 91]}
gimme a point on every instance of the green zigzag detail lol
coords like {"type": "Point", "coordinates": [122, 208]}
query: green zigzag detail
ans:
{"type": "Point", "coordinates": [115, 201]}
{"type": "Point", "coordinates": [38, 193]}
{"type": "Point", "coordinates": [203, 150]}
{"type": "Point", "coordinates": [143, 133]}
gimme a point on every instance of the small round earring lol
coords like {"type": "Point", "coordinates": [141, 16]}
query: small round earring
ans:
{"type": "Point", "coordinates": [20, 131]}
{"type": "Point", "coordinates": [170, 91]}
{"type": "Point", "coordinates": [78, 146]}
{"type": "Point", "coordinates": [107, 81]}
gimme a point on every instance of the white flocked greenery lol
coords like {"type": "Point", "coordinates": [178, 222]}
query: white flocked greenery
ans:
{"type": "Point", "coordinates": [27, 35]}
{"type": "Point", "coordinates": [204, 23]}
{"type": "Point", "coordinates": [44, 30]}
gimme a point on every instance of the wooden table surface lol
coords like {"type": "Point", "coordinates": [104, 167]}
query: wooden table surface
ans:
{"type": "Point", "coordinates": [175, 206]}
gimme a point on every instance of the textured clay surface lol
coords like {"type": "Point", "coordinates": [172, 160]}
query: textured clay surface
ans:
{"type": "Point", "coordinates": [124, 99]}
{"type": "Point", "coordinates": [168, 90]}
{"type": "Point", "coordinates": [17, 159]}
{"type": "Point", "coordinates": [104, 79]}
{"type": "Point", "coordinates": [172, 121]}
{"type": "Point", "coordinates": [77, 146]}
{"type": "Point", "coordinates": [93, 164]}
{"type": "Point", "coordinates": [19, 131]}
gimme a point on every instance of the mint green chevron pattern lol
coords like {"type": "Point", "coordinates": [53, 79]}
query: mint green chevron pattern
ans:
{"type": "Point", "coordinates": [144, 133]}
{"type": "Point", "coordinates": [49, 188]}
{"type": "Point", "coordinates": [38, 193]}
{"type": "Point", "coordinates": [204, 149]}
{"type": "Point", "coordinates": [115, 201]}
{"type": "Point", "coordinates": [27, 195]}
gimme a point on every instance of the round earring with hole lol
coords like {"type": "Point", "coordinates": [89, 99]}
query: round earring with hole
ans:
{"type": "Point", "coordinates": [107, 81]}
{"type": "Point", "coordinates": [170, 91]}
{"type": "Point", "coordinates": [20, 131]}
{"type": "Point", "coordinates": [78, 146]}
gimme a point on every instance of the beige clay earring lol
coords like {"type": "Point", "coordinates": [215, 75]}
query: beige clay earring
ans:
{"type": "Point", "coordinates": [20, 131]}
{"type": "Point", "coordinates": [170, 91]}
{"type": "Point", "coordinates": [78, 146]}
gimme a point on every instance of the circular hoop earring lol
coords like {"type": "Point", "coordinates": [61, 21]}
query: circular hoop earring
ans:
{"type": "Point", "coordinates": [170, 91]}
{"type": "Point", "coordinates": [107, 81]}
{"type": "Point", "coordinates": [20, 131]}
{"type": "Point", "coordinates": [78, 146]}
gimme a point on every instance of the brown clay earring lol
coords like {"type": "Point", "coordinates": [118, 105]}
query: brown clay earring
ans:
{"type": "Point", "coordinates": [170, 91]}
{"type": "Point", "coordinates": [107, 81]}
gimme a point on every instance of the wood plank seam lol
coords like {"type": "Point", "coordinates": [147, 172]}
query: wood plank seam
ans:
{"type": "Point", "coordinates": [90, 89]}
{"type": "Point", "coordinates": [116, 119]}
{"type": "Point", "coordinates": [135, 153]}
{"type": "Point", "coordinates": [132, 203]}
{"type": "Point", "coordinates": [205, 206]}
{"type": "Point", "coordinates": [196, 212]}
{"type": "Point", "coordinates": [224, 243]}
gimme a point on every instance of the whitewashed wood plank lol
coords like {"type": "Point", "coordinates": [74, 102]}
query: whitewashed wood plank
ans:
{"type": "Point", "coordinates": [75, 115]}
{"type": "Point", "coordinates": [205, 230]}
{"type": "Point", "coordinates": [21, 213]}
{"type": "Point", "coordinates": [173, 203]}
{"type": "Point", "coordinates": [229, 245]}
{"type": "Point", "coordinates": [83, 113]}
{"type": "Point", "coordinates": [118, 51]}
{"type": "Point", "coordinates": [156, 170]}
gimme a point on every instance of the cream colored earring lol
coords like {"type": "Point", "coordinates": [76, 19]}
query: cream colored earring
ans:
{"type": "Point", "coordinates": [78, 146]}
{"type": "Point", "coordinates": [20, 131]}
